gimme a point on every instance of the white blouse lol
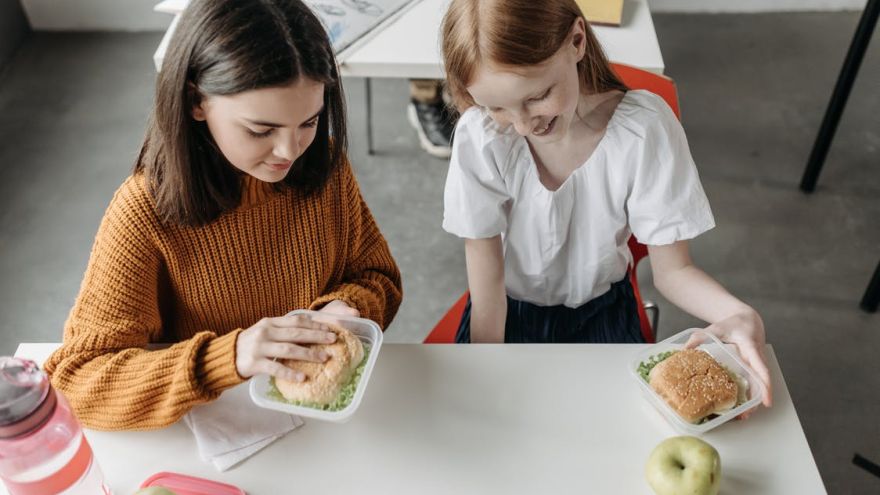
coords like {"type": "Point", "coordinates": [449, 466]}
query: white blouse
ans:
{"type": "Point", "coordinates": [568, 246]}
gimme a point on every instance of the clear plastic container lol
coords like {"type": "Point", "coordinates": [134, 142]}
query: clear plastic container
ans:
{"type": "Point", "coordinates": [725, 354]}
{"type": "Point", "coordinates": [366, 330]}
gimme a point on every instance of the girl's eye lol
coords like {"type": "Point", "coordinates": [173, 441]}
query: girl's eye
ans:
{"type": "Point", "coordinates": [542, 97]}
{"type": "Point", "coordinates": [260, 134]}
{"type": "Point", "coordinates": [311, 123]}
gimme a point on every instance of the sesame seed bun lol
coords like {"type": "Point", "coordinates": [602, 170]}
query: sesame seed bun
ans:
{"type": "Point", "coordinates": [694, 384]}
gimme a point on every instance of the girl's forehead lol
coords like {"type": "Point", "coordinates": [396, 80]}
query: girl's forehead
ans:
{"type": "Point", "coordinates": [289, 93]}
{"type": "Point", "coordinates": [276, 102]}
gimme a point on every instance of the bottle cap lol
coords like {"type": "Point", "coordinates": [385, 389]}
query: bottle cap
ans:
{"type": "Point", "coordinates": [27, 400]}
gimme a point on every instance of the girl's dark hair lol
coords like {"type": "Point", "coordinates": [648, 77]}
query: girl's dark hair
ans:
{"type": "Point", "coordinates": [224, 47]}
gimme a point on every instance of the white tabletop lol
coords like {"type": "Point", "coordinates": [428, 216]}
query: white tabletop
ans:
{"type": "Point", "coordinates": [171, 6]}
{"type": "Point", "coordinates": [408, 45]}
{"type": "Point", "coordinates": [483, 419]}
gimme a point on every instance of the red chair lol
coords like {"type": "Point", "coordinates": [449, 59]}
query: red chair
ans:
{"type": "Point", "coordinates": [444, 331]}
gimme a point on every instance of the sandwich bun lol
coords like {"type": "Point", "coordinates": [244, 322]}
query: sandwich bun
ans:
{"type": "Point", "coordinates": [323, 381]}
{"type": "Point", "coordinates": [694, 384]}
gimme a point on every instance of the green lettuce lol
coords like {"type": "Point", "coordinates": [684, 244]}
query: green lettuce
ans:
{"type": "Point", "coordinates": [645, 367]}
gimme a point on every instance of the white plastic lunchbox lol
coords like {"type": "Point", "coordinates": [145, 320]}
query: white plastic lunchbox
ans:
{"type": "Point", "coordinates": [727, 357]}
{"type": "Point", "coordinates": [366, 330]}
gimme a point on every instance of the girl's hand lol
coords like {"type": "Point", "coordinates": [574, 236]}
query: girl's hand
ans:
{"type": "Point", "coordinates": [746, 331]}
{"type": "Point", "coordinates": [338, 307]}
{"type": "Point", "coordinates": [258, 348]}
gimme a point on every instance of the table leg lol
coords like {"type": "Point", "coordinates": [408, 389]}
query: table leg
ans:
{"type": "Point", "coordinates": [369, 102]}
{"type": "Point", "coordinates": [872, 293]}
{"type": "Point", "coordinates": [841, 93]}
{"type": "Point", "coordinates": [867, 465]}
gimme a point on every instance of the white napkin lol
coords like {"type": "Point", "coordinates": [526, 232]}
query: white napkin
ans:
{"type": "Point", "coordinates": [232, 428]}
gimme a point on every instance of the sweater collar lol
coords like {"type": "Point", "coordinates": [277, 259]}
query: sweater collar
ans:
{"type": "Point", "coordinates": [254, 191]}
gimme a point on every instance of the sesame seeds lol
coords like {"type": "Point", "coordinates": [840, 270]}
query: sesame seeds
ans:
{"type": "Point", "coordinates": [694, 384]}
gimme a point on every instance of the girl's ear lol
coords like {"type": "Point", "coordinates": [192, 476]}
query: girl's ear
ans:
{"type": "Point", "coordinates": [578, 37]}
{"type": "Point", "coordinates": [198, 113]}
{"type": "Point", "coordinates": [193, 96]}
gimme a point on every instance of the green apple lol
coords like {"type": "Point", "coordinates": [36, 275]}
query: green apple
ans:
{"type": "Point", "coordinates": [154, 490]}
{"type": "Point", "coordinates": [684, 466]}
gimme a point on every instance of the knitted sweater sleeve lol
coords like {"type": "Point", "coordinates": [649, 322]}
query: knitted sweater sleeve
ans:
{"type": "Point", "coordinates": [371, 280]}
{"type": "Point", "coordinates": [103, 367]}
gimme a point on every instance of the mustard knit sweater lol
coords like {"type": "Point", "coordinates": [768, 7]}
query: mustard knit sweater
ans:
{"type": "Point", "coordinates": [149, 282]}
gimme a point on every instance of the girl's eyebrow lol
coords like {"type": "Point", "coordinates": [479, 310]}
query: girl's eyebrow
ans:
{"type": "Point", "coordinates": [274, 125]}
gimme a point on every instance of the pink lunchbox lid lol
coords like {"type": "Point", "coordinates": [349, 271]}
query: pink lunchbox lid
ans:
{"type": "Point", "coordinates": [182, 484]}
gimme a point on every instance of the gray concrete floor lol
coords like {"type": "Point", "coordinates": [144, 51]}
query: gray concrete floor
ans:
{"type": "Point", "coordinates": [753, 91]}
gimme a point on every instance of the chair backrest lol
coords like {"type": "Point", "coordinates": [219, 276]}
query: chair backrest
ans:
{"type": "Point", "coordinates": [633, 78]}
{"type": "Point", "coordinates": [658, 84]}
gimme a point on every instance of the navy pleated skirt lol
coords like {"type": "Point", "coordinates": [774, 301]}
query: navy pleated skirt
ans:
{"type": "Point", "coordinates": [610, 318]}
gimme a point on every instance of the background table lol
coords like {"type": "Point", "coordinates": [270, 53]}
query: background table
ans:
{"type": "Point", "coordinates": [410, 46]}
{"type": "Point", "coordinates": [483, 419]}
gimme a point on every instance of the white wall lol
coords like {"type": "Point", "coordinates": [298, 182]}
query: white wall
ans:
{"type": "Point", "coordinates": [95, 15]}
{"type": "Point", "coordinates": [753, 5]}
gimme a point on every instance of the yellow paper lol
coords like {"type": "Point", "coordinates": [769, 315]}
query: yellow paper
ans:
{"type": "Point", "coordinates": [602, 11]}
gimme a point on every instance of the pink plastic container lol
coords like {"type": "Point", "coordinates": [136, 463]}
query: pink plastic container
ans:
{"type": "Point", "coordinates": [182, 484]}
{"type": "Point", "coordinates": [42, 447]}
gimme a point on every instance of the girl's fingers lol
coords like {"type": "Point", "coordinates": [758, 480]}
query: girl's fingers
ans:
{"type": "Point", "coordinates": [746, 414]}
{"type": "Point", "coordinates": [278, 370]}
{"type": "Point", "coordinates": [756, 361]}
{"type": "Point", "coordinates": [286, 350]}
{"type": "Point", "coordinates": [340, 308]}
{"type": "Point", "coordinates": [301, 335]}
{"type": "Point", "coordinates": [345, 310]}
{"type": "Point", "coordinates": [298, 321]}
{"type": "Point", "coordinates": [694, 340]}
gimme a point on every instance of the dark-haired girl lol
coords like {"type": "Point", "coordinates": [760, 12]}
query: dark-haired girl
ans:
{"type": "Point", "coordinates": [242, 207]}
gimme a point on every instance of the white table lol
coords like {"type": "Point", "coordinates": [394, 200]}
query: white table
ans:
{"type": "Point", "coordinates": [410, 46]}
{"type": "Point", "coordinates": [483, 419]}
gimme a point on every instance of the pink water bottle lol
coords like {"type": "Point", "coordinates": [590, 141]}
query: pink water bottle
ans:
{"type": "Point", "coordinates": [42, 447]}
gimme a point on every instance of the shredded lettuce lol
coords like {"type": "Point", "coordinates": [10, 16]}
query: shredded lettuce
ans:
{"type": "Point", "coordinates": [645, 367]}
{"type": "Point", "coordinates": [346, 394]}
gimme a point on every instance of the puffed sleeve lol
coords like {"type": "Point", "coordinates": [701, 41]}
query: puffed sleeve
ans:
{"type": "Point", "coordinates": [666, 202]}
{"type": "Point", "coordinates": [475, 200]}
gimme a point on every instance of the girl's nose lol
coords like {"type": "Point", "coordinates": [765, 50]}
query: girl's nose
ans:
{"type": "Point", "coordinates": [287, 148]}
{"type": "Point", "coordinates": [523, 124]}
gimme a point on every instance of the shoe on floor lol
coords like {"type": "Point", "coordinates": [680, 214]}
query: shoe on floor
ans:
{"type": "Point", "coordinates": [434, 125]}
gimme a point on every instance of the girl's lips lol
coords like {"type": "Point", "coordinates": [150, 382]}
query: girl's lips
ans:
{"type": "Point", "coordinates": [548, 129]}
{"type": "Point", "coordinates": [280, 166]}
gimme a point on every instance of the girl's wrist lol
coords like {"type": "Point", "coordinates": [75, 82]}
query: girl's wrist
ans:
{"type": "Point", "coordinates": [741, 310]}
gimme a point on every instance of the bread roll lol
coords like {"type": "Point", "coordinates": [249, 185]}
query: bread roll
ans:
{"type": "Point", "coordinates": [323, 381]}
{"type": "Point", "coordinates": [694, 384]}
